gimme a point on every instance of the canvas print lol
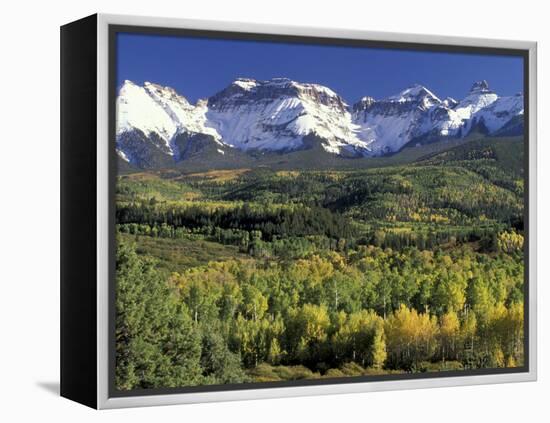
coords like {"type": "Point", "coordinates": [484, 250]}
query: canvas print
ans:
{"type": "Point", "coordinates": [290, 211]}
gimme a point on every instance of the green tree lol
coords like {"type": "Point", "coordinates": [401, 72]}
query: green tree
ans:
{"type": "Point", "coordinates": [219, 364]}
{"type": "Point", "coordinates": [361, 339]}
{"type": "Point", "coordinates": [157, 344]}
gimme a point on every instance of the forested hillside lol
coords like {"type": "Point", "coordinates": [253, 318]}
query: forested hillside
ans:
{"type": "Point", "coordinates": [266, 274]}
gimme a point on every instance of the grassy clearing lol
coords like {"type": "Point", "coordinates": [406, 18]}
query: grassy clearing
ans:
{"type": "Point", "coordinates": [178, 255]}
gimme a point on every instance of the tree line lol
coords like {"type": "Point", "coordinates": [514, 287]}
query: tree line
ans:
{"type": "Point", "coordinates": [272, 222]}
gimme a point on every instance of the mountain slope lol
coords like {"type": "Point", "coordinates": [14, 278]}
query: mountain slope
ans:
{"type": "Point", "coordinates": [158, 127]}
{"type": "Point", "coordinates": [500, 112]}
{"type": "Point", "coordinates": [149, 120]}
{"type": "Point", "coordinates": [390, 123]}
{"type": "Point", "coordinates": [275, 115]}
{"type": "Point", "coordinates": [416, 114]}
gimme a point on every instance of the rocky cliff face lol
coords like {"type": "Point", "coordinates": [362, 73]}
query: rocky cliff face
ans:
{"type": "Point", "coordinates": [277, 114]}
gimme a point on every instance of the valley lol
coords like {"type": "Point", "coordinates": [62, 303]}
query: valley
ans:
{"type": "Point", "coordinates": [275, 266]}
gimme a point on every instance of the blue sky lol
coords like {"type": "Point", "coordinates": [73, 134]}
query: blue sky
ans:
{"type": "Point", "coordinates": [200, 67]}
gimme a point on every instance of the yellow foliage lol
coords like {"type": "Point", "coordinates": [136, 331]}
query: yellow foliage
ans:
{"type": "Point", "coordinates": [449, 325]}
{"type": "Point", "coordinates": [313, 269]}
{"type": "Point", "coordinates": [510, 242]}
{"type": "Point", "coordinates": [221, 175]}
{"type": "Point", "coordinates": [410, 331]}
{"type": "Point", "coordinates": [316, 321]}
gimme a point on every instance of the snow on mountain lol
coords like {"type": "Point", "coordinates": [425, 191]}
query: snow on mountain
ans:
{"type": "Point", "coordinates": [122, 155]}
{"type": "Point", "coordinates": [450, 102]}
{"type": "Point", "coordinates": [277, 114]}
{"type": "Point", "coordinates": [187, 117]}
{"type": "Point", "coordinates": [480, 96]}
{"type": "Point", "coordinates": [416, 94]}
{"type": "Point", "coordinates": [160, 113]}
{"type": "Point", "coordinates": [154, 122]}
{"type": "Point", "coordinates": [500, 112]}
{"type": "Point", "coordinates": [137, 109]}
{"type": "Point", "coordinates": [388, 124]}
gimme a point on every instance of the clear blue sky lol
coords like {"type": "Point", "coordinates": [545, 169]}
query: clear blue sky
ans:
{"type": "Point", "coordinates": [200, 67]}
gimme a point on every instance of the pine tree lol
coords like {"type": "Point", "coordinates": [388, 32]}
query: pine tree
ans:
{"type": "Point", "coordinates": [156, 342]}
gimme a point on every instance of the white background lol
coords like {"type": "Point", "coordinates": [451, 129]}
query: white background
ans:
{"type": "Point", "coordinates": [29, 209]}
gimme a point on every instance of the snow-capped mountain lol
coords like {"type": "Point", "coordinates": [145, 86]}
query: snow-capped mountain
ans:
{"type": "Point", "coordinates": [417, 113]}
{"type": "Point", "coordinates": [499, 112]}
{"type": "Point", "coordinates": [156, 126]}
{"type": "Point", "coordinates": [150, 118]}
{"type": "Point", "coordinates": [390, 123]}
{"type": "Point", "coordinates": [480, 97]}
{"type": "Point", "coordinates": [450, 102]}
{"type": "Point", "coordinates": [276, 115]}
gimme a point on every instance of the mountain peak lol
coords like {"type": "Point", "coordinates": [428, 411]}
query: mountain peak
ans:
{"type": "Point", "coordinates": [280, 113]}
{"type": "Point", "coordinates": [276, 114]}
{"type": "Point", "coordinates": [367, 100]}
{"type": "Point", "coordinates": [414, 92]}
{"type": "Point", "coordinates": [246, 84]}
{"type": "Point", "coordinates": [246, 90]}
{"type": "Point", "coordinates": [280, 80]}
{"type": "Point", "coordinates": [363, 104]}
{"type": "Point", "coordinates": [162, 93]}
{"type": "Point", "coordinates": [480, 87]}
{"type": "Point", "coordinates": [480, 96]}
